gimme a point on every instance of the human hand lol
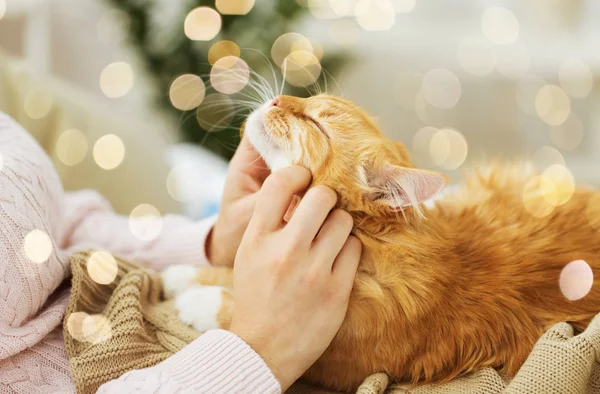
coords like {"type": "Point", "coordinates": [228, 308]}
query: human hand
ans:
{"type": "Point", "coordinates": [246, 174]}
{"type": "Point", "coordinates": [292, 281]}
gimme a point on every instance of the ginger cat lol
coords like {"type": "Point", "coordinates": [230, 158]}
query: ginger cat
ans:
{"type": "Point", "coordinates": [470, 283]}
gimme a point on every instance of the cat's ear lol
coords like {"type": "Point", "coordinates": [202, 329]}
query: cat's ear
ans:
{"type": "Point", "coordinates": [401, 187]}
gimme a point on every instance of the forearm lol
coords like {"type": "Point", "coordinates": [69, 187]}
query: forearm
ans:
{"type": "Point", "coordinates": [217, 362]}
{"type": "Point", "coordinates": [93, 225]}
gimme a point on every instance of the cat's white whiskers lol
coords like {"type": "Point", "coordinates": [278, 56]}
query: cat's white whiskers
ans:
{"type": "Point", "coordinates": [338, 91]}
{"type": "Point", "coordinates": [284, 73]}
{"type": "Point", "coordinates": [254, 161]}
{"type": "Point", "coordinates": [256, 88]}
{"type": "Point", "coordinates": [236, 102]}
{"type": "Point", "coordinates": [259, 89]}
{"type": "Point", "coordinates": [256, 101]}
{"type": "Point", "coordinates": [315, 85]}
{"type": "Point", "coordinates": [272, 69]}
{"type": "Point", "coordinates": [265, 86]}
{"type": "Point", "coordinates": [270, 90]}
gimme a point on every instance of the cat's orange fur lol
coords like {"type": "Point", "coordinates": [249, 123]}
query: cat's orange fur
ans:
{"type": "Point", "coordinates": [472, 285]}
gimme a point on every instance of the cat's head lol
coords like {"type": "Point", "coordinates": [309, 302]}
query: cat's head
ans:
{"type": "Point", "coordinates": [344, 149]}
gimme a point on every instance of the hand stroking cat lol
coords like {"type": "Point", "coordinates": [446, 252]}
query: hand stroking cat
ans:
{"type": "Point", "coordinates": [441, 291]}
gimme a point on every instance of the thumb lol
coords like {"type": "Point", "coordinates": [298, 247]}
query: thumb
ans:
{"type": "Point", "coordinates": [248, 161]}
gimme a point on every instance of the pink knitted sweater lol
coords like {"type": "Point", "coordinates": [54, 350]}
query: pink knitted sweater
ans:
{"type": "Point", "coordinates": [33, 296]}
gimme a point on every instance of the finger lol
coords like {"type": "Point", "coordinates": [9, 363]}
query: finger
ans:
{"type": "Point", "coordinates": [311, 213]}
{"type": "Point", "coordinates": [247, 160]}
{"type": "Point", "coordinates": [246, 207]}
{"type": "Point", "coordinates": [346, 263]}
{"type": "Point", "coordinates": [291, 209]}
{"type": "Point", "coordinates": [333, 236]}
{"type": "Point", "coordinates": [276, 195]}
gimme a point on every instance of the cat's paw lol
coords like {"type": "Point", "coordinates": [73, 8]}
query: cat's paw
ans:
{"type": "Point", "coordinates": [199, 306]}
{"type": "Point", "coordinates": [177, 279]}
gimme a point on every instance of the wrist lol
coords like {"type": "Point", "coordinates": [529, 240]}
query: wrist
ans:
{"type": "Point", "coordinates": [221, 244]}
{"type": "Point", "coordinates": [273, 356]}
{"type": "Point", "coordinates": [212, 249]}
{"type": "Point", "coordinates": [227, 233]}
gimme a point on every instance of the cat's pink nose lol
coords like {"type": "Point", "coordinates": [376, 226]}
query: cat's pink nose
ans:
{"type": "Point", "coordinates": [276, 102]}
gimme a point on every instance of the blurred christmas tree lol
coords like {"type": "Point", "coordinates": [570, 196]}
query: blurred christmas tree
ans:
{"type": "Point", "coordinates": [176, 37]}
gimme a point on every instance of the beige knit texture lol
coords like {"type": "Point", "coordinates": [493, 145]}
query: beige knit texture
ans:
{"type": "Point", "coordinates": [144, 330]}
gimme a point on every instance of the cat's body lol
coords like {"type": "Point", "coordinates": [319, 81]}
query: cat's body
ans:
{"type": "Point", "coordinates": [472, 285]}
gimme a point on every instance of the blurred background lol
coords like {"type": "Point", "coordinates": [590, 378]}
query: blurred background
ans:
{"type": "Point", "coordinates": [143, 99]}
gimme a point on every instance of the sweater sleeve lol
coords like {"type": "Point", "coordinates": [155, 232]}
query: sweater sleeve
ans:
{"type": "Point", "coordinates": [217, 362]}
{"type": "Point", "coordinates": [90, 223]}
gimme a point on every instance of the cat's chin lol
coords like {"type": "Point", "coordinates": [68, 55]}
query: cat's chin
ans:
{"type": "Point", "coordinates": [257, 135]}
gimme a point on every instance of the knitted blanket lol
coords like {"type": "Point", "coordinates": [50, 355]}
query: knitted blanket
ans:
{"type": "Point", "coordinates": [125, 325]}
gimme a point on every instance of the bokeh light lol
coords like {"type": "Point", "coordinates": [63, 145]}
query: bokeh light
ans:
{"type": "Point", "coordinates": [527, 90]}
{"type": "Point", "coordinates": [576, 78]}
{"type": "Point", "coordinates": [536, 195]}
{"type": "Point", "coordinates": [202, 24]}
{"type": "Point", "coordinates": [38, 103]}
{"type": "Point", "coordinates": [421, 143]}
{"type": "Point", "coordinates": [440, 148]}
{"type": "Point", "coordinates": [512, 61]}
{"type": "Point", "coordinates": [576, 280]}
{"type": "Point", "coordinates": [476, 57]}
{"type": "Point", "coordinates": [569, 135]}
{"type": "Point", "coordinates": [145, 222]}
{"type": "Point", "coordinates": [109, 152]}
{"type": "Point", "coordinates": [558, 179]}
{"type": "Point", "coordinates": [343, 8]}
{"type": "Point", "coordinates": [96, 328]}
{"type": "Point", "coordinates": [547, 156]}
{"type": "Point", "coordinates": [301, 68]}
{"type": "Point", "coordinates": [552, 105]}
{"type": "Point", "coordinates": [71, 147]}
{"type": "Point", "coordinates": [421, 107]}
{"type": "Point", "coordinates": [317, 49]}
{"type": "Point", "coordinates": [75, 325]}
{"type": "Point", "coordinates": [116, 80]}
{"type": "Point", "coordinates": [221, 49]}
{"type": "Point", "coordinates": [287, 43]}
{"type": "Point", "coordinates": [234, 7]}
{"type": "Point", "coordinates": [303, 44]}
{"type": "Point", "coordinates": [448, 149]}
{"type": "Point", "coordinates": [344, 32]}
{"type": "Point", "coordinates": [215, 113]}
{"type": "Point", "coordinates": [406, 89]}
{"type": "Point", "coordinates": [404, 6]}
{"type": "Point", "coordinates": [187, 92]}
{"type": "Point", "coordinates": [500, 25]}
{"type": "Point", "coordinates": [375, 15]}
{"type": "Point", "coordinates": [327, 9]}
{"type": "Point", "coordinates": [441, 88]}
{"type": "Point", "coordinates": [102, 267]}
{"type": "Point", "coordinates": [229, 75]}
{"type": "Point", "coordinates": [38, 246]}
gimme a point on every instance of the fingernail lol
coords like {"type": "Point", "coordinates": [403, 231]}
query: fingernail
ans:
{"type": "Point", "coordinates": [291, 209]}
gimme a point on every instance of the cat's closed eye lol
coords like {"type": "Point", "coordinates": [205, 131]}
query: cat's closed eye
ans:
{"type": "Point", "coordinates": [317, 124]}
